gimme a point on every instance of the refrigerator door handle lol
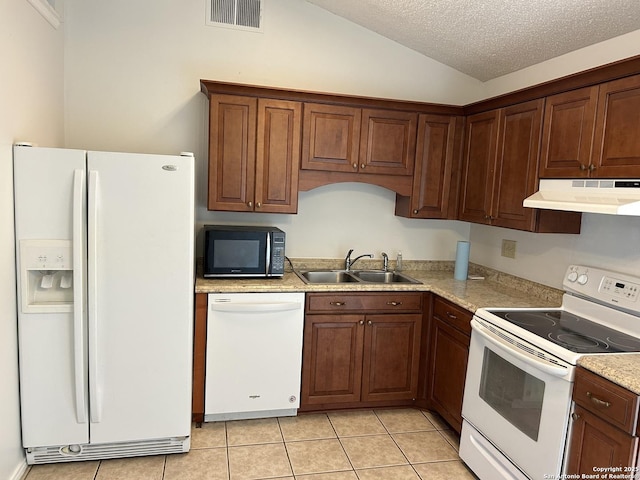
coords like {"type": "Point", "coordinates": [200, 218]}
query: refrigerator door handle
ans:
{"type": "Point", "coordinates": [95, 392]}
{"type": "Point", "coordinates": [78, 295]}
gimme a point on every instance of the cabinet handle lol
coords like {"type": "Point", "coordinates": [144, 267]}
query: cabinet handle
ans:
{"type": "Point", "coordinates": [394, 304]}
{"type": "Point", "coordinates": [452, 316]}
{"type": "Point", "coordinates": [592, 167]}
{"type": "Point", "coordinates": [597, 401]}
{"type": "Point", "coordinates": [338, 304]}
{"type": "Point", "coordinates": [583, 167]}
{"type": "Point", "coordinates": [575, 416]}
{"type": "Point", "coordinates": [250, 204]}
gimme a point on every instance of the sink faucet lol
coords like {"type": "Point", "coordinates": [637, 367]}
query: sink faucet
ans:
{"type": "Point", "coordinates": [385, 262]}
{"type": "Point", "coordinates": [348, 263]}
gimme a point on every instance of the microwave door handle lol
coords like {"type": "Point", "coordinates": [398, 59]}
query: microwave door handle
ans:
{"type": "Point", "coordinates": [268, 258]}
{"type": "Point", "coordinates": [513, 350]}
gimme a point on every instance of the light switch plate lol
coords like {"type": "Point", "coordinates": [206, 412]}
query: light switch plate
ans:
{"type": "Point", "coordinates": [509, 248]}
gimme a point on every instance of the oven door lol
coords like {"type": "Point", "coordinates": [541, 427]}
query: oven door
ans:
{"type": "Point", "coordinates": [518, 398]}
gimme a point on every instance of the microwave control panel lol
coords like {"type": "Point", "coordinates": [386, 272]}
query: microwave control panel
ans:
{"type": "Point", "coordinates": [277, 253]}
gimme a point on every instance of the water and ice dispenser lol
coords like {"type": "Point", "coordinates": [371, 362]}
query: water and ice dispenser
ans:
{"type": "Point", "coordinates": [46, 276]}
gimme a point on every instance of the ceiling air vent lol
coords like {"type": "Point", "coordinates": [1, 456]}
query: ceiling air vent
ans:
{"type": "Point", "coordinates": [238, 14]}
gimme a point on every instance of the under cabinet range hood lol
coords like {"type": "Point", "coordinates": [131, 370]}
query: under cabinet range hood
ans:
{"type": "Point", "coordinates": [609, 196]}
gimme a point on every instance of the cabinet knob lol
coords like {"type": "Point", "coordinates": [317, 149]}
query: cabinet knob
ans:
{"type": "Point", "coordinates": [250, 204]}
{"type": "Point", "coordinates": [415, 212]}
{"type": "Point", "coordinates": [583, 167]}
{"type": "Point", "coordinates": [592, 167]}
{"type": "Point", "coordinates": [361, 322]}
{"type": "Point", "coordinates": [362, 166]}
{"type": "Point", "coordinates": [355, 166]}
{"type": "Point", "coordinates": [258, 205]}
{"type": "Point", "coordinates": [369, 322]}
{"type": "Point", "coordinates": [575, 416]}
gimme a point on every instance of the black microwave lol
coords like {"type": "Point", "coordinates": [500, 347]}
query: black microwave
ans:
{"type": "Point", "coordinates": [243, 251]}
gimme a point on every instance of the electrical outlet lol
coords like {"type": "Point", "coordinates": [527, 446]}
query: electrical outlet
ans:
{"type": "Point", "coordinates": [509, 248]}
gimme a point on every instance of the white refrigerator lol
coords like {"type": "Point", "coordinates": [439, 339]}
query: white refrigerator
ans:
{"type": "Point", "coordinates": [105, 266]}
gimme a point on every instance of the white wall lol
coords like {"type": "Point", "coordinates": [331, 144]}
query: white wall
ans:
{"type": "Point", "coordinates": [31, 102]}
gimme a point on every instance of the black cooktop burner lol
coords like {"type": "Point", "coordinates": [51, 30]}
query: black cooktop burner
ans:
{"type": "Point", "coordinates": [570, 331]}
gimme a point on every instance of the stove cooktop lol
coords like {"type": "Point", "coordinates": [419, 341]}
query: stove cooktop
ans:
{"type": "Point", "coordinates": [570, 331]}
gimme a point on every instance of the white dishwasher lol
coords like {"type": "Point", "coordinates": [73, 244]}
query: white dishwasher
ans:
{"type": "Point", "coordinates": [254, 355]}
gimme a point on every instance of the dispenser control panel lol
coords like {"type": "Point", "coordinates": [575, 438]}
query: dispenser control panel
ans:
{"type": "Point", "coordinates": [46, 254]}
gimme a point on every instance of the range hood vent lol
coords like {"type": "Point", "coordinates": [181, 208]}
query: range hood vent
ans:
{"type": "Point", "coordinates": [612, 196]}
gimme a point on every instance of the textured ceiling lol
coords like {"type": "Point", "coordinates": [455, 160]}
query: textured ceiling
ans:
{"type": "Point", "coordinates": [489, 38]}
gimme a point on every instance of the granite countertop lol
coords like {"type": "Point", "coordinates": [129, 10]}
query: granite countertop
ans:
{"type": "Point", "coordinates": [496, 290]}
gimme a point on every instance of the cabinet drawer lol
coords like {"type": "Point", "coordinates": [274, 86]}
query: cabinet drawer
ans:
{"type": "Point", "coordinates": [351, 302]}
{"type": "Point", "coordinates": [452, 314]}
{"type": "Point", "coordinates": [605, 399]}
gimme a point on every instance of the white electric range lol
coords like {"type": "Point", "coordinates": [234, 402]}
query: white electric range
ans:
{"type": "Point", "coordinates": [517, 399]}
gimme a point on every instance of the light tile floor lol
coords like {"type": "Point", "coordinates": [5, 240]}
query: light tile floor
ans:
{"type": "Point", "coordinates": [393, 444]}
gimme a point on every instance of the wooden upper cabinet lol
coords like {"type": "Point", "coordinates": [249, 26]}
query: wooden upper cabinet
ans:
{"type": "Point", "coordinates": [387, 142]}
{"type": "Point", "coordinates": [593, 132]}
{"type": "Point", "coordinates": [232, 156]}
{"type": "Point", "coordinates": [500, 171]}
{"type": "Point", "coordinates": [616, 148]}
{"type": "Point", "coordinates": [331, 138]}
{"type": "Point", "coordinates": [479, 166]}
{"type": "Point", "coordinates": [434, 193]}
{"type": "Point", "coordinates": [347, 139]}
{"type": "Point", "coordinates": [567, 139]}
{"type": "Point", "coordinates": [254, 152]}
{"type": "Point", "coordinates": [277, 156]}
{"type": "Point", "coordinates": [517, 165]}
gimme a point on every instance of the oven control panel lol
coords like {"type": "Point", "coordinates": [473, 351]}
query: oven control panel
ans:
{"type": "Point", "coordinates": [603, 285]}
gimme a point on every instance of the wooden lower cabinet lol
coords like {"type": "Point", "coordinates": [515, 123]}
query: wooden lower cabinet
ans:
{"type": "Point", "coordinates": [357, 358]}
{"type": "Point", "coordinates": [449, 337]}
{"type": "Point", "coordinates": [604, 432]}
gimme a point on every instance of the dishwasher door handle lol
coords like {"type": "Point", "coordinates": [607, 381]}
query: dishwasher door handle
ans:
{"type": "Point", "coordinates": [255, 307]}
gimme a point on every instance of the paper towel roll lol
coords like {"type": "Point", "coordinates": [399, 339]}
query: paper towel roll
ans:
{"type": "Point", "coordinates": [462, 261]}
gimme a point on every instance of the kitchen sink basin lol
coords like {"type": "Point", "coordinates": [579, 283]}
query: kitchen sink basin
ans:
{"type": "Point", "coordinates": [353, 276]}
{"type": "Point", "coordinates": [379, 276]}
{"type": "Point", "coordinates": [327, 276]}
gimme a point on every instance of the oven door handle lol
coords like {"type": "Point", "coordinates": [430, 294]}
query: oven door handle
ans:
{"type": "Point", "coordinates": [555, 370]}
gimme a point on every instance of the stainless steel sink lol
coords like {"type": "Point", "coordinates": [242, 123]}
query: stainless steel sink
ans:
{"type": "Point", "coordinates": [379, 276]}
{"type": "Point", "coordinates": [326, 276]}
{"type": "Point", "coordinates": [359, 276]}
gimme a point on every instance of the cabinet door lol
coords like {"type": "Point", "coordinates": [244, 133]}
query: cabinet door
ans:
{"type": "Point", "coordinates": [616, 149]}
{"type": "Point", "coordinates": [596, 444]}
{"type": "Point", "coordinates": [432, 178]}
{"type": "Point", "coordinates": [331, 138]}
{"type": "Point", "coordinates": [277, 156]}
{"type": "Point", "coordinates": [388, 142]}
{"type": "Point", "coordinates": [567, 138]}
{"type": "Point", "coordinates": [391, 357]}
{"type": "Point", "coordinates": [332, 359]}
{"type": "Point", "coordinates": [517, 165]}
{"type": "Point", "coordinates": [232, 143]}
{"type": "Point", "coordinates": [449, 351]}
{"type": "Point", "coordinates": [479, 166]}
